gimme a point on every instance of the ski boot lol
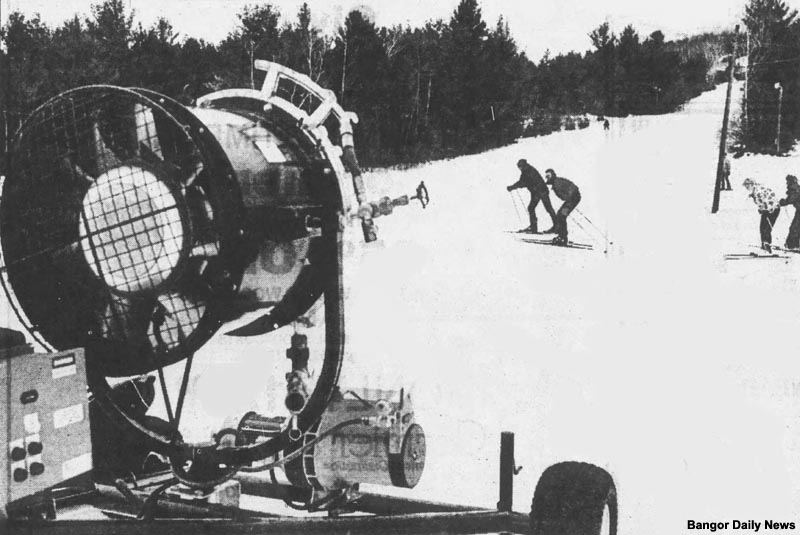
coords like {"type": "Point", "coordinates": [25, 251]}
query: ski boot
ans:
{"type": "Point", "coordinates": [560, 240]}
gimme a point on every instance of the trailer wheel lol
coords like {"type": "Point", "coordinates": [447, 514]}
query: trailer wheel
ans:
{"type": "Point", "coordinates": [574, 498]}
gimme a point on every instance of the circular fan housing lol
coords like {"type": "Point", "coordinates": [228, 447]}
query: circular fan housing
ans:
{"type": "Point", "coordinates": [121, 227]}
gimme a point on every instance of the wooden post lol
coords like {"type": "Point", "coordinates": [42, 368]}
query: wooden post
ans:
{"type": "Point", "coordinates": [724, 134]}
{"type": "Point", "coordinates": [506, 472]}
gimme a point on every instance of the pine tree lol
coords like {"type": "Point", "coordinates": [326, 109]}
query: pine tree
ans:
{"type": "Point", "coordinates": [154, 59]}
{"type": "Point", "coordinates": [775, 46]}
{"type": "Point", "coordinates": [259, 34]}
{"type": "Point", "coordinates": [605, 43]}
{"type": "Point", "coordinates": [359, 65]}
{"type": "Point", "coordinates": [303, 46]}
{"type": "Point", "coordinates": [111, 28]}
{"type": "Point", "coordinates": [464, 111]}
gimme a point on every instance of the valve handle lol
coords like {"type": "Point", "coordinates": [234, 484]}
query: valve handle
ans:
{"type": "Point", "coordinates": [422, 195]}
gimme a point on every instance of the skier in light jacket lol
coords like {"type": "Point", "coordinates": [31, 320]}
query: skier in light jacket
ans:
{"type": "Point", "coordinates": [768, 207]}
{"type": "Point", "coordinates": [793, 198]}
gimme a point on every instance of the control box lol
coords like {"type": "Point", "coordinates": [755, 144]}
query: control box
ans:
{"type": "Point", "coordinates": [45, 441]}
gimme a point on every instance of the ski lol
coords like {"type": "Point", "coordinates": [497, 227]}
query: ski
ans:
{"type": "Point", "coordinates": [524, 231]}
{"type": "Point", "coordinates": [571, 245]}
{"type": "Point", "coordinates": [783, 250]}
{"type": "Point", "coordinates": [747, 256]}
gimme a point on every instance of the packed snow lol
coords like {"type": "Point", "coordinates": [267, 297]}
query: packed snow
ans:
{"type": "Point", "coordinates": [660, 361]}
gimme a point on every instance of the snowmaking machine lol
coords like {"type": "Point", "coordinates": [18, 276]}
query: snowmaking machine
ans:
{"type": "Point", "coordinates": [132, 230]}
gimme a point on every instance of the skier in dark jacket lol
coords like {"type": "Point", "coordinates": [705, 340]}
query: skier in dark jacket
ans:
{"type": "Point", "coordinates": [568, 192]}
{"type": "Point", "coordinates": [793, 198]}
{"type": "Point", "coordinates": [726, 174]}
{"type": "Point", "coordinates": [530, 178]}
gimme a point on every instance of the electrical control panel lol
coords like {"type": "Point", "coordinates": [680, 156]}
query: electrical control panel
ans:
{"type": "Point", "coordinates": [44, 424]}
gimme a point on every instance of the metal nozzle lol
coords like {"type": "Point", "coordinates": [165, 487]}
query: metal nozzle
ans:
{"type": "Point", "coordinates": [296, 391]}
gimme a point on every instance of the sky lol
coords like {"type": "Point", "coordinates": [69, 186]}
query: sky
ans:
{"type": "Point", "coordinates": [537, 25]}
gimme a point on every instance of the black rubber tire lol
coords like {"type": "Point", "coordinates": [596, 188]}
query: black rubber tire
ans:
{"type": "Point", "coordinates": [571, 499]}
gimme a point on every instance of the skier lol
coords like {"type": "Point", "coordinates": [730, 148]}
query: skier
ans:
{"type": "Point", "coordinates": [725, 185]}
{"type": "Point", "coordinates": [531, 179]}
{"type": "Point", "coordinates": [793, 198]}
{"type": "Point", "coordinates": [768, 207]}
{"type": "Point", "coordinates": [568, 192]}
{"type": "Point", "coordinates": [606, 125]}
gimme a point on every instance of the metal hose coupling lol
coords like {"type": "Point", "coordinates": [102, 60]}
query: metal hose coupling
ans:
{"type": "Point", "coordinates": [296, 390]}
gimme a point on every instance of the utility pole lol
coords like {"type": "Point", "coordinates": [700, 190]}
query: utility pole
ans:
{"type": "Point", "coordinates": [746, 79]}
{"type": "Point", "coordinates": [724, 134]}
{"type": "Point", "coordinates": [779, 87]}
{"type": "Point", "coordinates": [344, 66]}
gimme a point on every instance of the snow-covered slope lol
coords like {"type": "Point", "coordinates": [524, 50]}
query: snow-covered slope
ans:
{"type": "Point", "coordinates": [660, 361]}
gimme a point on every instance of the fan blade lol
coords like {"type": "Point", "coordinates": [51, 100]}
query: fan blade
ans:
{"type": "Point", "coordinates": [146, 133]}
{"type": "Point", "coordinates": [210, 249]}
{"type": "Point", "coordinates": [127, 319]}
{"type": "Point", "coordinates": [69, 258]}
{"type": "Point", "coordinates": [77, 171]}
{"type": "Point", "coordinates": [186, 176]}
{"type": "Point", "coordinates": [106, 159]}
{"type": "Point", "coordinates": [177, 316]}
{"type": "Point", "coordinates": [192, 175]}
{"type": "Point", "coordinates": [147, 154]}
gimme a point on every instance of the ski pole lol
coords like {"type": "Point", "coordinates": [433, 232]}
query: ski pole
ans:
{"type": "Point", "coordinates": [578, 223]}
{"type": "Point", "coordinates": [603, 234]}
{"type": "Point", "coordinates": [589, 221]}
{"type": "Point", "coordinates": [516, 208]}
{"type": "Point", "coordinates": [586, 231]}
{"type": "Point", "coordinates": [521, 204]}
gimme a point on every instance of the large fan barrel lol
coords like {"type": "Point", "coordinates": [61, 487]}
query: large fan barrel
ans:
{"type": "Point", "coordinates": [136, 227]}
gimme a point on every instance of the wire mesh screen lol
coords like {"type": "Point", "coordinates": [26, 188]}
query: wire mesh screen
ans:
{"type": "Point", "coordinates": [103, 189]}
{"type": "Point", "coordinates": [131, 230]}
{"type": "Point", "coordinates": [291, 91]}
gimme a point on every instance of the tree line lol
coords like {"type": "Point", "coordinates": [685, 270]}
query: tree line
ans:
{"type": "Point", "coordinates": [441, 90]}
{"type": "Point", "coordinates": [772, 103]}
